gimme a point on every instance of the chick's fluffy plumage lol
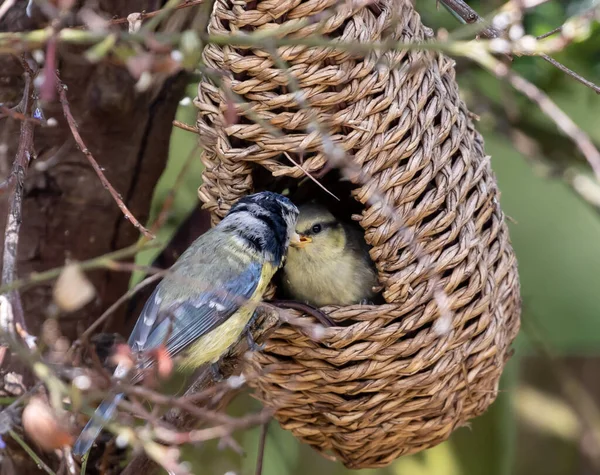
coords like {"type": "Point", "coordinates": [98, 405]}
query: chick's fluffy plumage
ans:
{"type": "Point", "coordinates": [334, 268]}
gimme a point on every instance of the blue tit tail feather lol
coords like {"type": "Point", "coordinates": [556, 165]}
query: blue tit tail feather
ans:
{"type": "Point", "coordinates": [93, 428]}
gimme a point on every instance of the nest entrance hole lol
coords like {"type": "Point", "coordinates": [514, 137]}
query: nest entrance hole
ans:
{"type": "Point", "coordinates": [303, 190]}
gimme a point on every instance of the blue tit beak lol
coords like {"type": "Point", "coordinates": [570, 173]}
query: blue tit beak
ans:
{"type": "Point", "coordinates": [299, 240]}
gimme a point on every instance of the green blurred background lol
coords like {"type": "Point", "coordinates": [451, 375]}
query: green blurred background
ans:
{"type": "Point", "coordinates": [546, 418]}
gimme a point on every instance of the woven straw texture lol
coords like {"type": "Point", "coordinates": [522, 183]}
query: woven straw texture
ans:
{"type": "Point", "coordinates": [386, 381]}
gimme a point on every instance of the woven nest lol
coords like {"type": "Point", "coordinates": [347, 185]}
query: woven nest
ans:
{"type": "Point", "coordinates": [386, 381]}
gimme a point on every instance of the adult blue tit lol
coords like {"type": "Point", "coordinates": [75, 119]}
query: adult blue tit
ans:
{"type": "Point", "coordinates": [331, 265]}
{"type": "Point", "coordinates": [202, 306]}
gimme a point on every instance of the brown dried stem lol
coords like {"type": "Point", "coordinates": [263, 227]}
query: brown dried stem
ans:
{"type": "Point", "coordinates": [146, 15]}
{"type": "Point", "coordinates": [570, 72]}
{"type": "Point", "coordinates": [215, 432]}
{"type": "Point", "coordinates": [62, 92]}
{"type": "Point", "coordinates": [186, 127]}
{"type": "Point", "coordinates": [261, 448]}
{"type": "Point", "coordinates": [470, 16]}
{"type": "Point", "coordinates": [8, 112]}
{"type": "Point", "coordinates": [547, 106]}
{"type": "Point", "coordinates": [110, 310]}
{"type": "Point", "coordinates": [20, 166]}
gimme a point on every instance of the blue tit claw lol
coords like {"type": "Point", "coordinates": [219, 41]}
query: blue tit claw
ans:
{"type": "Point", "coordinates": [252, 343]}
{"type": "Point", "coordinates": [366, 302]}
{"type": "Point", "coordinates": [216, 372]}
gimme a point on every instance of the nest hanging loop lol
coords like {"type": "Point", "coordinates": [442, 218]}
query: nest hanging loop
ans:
{"type": "Point", "coordinates": [388, 380]}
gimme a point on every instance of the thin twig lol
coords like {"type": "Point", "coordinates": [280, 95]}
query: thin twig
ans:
{"type": "Point", "coordinates": [130, 293]}
{"type": "Point", "coordinates": [570, 72]}
{"type": "Point", "coordinates": [104, 261]}
{"type": "Point", "coordinates": [39, 462]}
{"type": "Point", "coordinates": [466, 14]}
{"type": "Point", "coordinates": [8, 112]}
{"type": "Point", "coordinates": [550, 33]}
{"type": "Point", "coordinates": [169, 7]}
{"type": "Point", "coordinates": [583, 186]}
{"type": "Point", "coordinates": [26, 41]}
{"type": "Point", "coordinates": [215, 432]}
{"type": "Point", "coordinates": [183, 126]}
{"type": "Point", "coordinates": [84, 463]}
{"type": "Point", "coordinates": [546, 105]}
{"type": "Point", "coordinates": [586, 14]}
{"type": "Point", "coordinates": [172, 401]}
{"type": "Point", "coordinates": [261, 448]}
{"type": "Point", "coordinates": [23, 157]}
{"type": "Point", "coordinates": [62, 91]}
{"type": "Point", "coordinates": [146, 15]}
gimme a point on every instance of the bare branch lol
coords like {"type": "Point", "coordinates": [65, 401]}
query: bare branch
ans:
{"type": "Point", "coordinates": [62, 91]}
{"type": "Point", "coordinates": [8, 112]}
{"type": "Point", "coordinates": [20, 166]}
{"type": "Point", "coordinates": [110, 310]}
{"type": "Point", "coordinates": [146, 15]}
{"type": "Point", "coordinates": [467, 15]}
{"type": "Point", "coordinates": [571, 73]}
{"type": "Point", "coordinates": [546, 105]}
{"type": "Point", "coordinates": [104, 261]}
{"type": "Point", "coordinates": [261, 448]}
{"type": "Point", "coordinates": [186, 127]}
{"type": "Point", "coordinates": [40, 463]}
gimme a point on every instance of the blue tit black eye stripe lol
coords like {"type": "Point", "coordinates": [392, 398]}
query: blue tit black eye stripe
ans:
{"type": "Point", "coordinates": [270, 214]}
{"type": "Point", "coordinates": [276, 224]}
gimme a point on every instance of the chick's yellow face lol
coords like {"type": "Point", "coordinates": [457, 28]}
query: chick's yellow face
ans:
{"type": "Point", "coordinates": [320, 233]}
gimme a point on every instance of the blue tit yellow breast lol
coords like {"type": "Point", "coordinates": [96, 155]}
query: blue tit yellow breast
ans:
{"type": "Point", "coordinates": [210, 347]}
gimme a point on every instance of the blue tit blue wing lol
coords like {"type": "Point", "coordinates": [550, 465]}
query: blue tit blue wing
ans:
{"type": "Point", "coordinates": [183, 320]}
{"type": "Point", "coordinates": [145, 322]}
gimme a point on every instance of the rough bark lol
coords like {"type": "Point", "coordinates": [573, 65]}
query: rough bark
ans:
{"type": "Point", "coordinates": [67, 214]}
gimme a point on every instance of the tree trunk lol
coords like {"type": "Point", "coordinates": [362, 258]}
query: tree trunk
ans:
{"type": "Point", "coordinates": [67, 213]}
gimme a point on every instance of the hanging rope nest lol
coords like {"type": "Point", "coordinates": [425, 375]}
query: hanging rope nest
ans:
{"type": "Point", "coordinates": [387, 380]}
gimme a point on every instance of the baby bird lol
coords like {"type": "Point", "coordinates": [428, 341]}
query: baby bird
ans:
{"type": "Point", "coordinates": [331, 265]}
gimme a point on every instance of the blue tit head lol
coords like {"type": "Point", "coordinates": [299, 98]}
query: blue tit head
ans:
{"type": "Point", "coordinates": [266, 222]}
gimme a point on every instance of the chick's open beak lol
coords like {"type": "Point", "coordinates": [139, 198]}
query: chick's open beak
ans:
{"type": "Point", "coordinates": [299, 240]}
